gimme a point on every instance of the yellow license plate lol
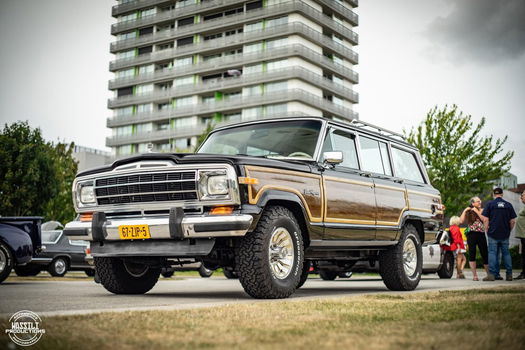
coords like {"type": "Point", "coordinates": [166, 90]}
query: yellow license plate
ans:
{"type": "Point", "coordinates": [134, 232]}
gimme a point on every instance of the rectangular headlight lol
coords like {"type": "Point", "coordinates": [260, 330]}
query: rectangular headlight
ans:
{"type": "Point", "coordinates": [87, 194]}
{"type": "Point", "coordinates": [213, 185]}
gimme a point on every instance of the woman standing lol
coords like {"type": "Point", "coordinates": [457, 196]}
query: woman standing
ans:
{"type": "Point", "coordinates": [476, 235]}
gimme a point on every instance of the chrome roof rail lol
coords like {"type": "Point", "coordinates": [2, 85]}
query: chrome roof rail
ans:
{"type": "Point", "coordinates": [385, 132]}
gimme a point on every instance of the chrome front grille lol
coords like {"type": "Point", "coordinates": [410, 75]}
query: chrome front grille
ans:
{"type": "Point", "coordinates": [144, 188]}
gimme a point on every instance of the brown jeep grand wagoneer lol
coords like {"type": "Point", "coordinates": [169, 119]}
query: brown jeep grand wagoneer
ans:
{"type": "Point", "coordinates": [266, 199]}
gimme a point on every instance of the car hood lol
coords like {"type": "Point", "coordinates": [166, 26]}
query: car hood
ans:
{"type": "Point", "coordinates": [203, 158]}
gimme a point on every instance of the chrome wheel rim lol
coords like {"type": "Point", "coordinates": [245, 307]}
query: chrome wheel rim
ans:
{"type": "Point", "coordinates": [281, 253]}
{"type": "Point", "coordinates": [136, 270]}
{"type": "Point", "coordinates": [3, 260]}
{"type": "Point", "coordinates": [60, 266]}
{"type": "Point", "coordinates": [409, 257]}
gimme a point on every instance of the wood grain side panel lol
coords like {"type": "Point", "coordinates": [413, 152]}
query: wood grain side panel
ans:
{"type": "Point", "coordinates": [351, 202]}
{"type": "Point", "coordinates": [391, 203]}
{"type": "Point", "coordinates": [308, 187]}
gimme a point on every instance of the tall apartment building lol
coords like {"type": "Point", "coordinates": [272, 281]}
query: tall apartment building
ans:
{"type": "Point", "coordinates": [180, 65]}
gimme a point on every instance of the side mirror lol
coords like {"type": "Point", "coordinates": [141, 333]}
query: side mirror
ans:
{"type": "Point", "coordinates": [333, 158]}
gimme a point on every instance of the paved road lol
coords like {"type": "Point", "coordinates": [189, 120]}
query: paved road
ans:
{"type": "Point", "coordinates": [82, 297]}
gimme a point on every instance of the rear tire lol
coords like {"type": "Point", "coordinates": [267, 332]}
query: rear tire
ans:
{"type": "Point", "coordinates": [167, 272]}
{"type": "Point", "coordinates": [90, 272]}
{"type": "Point", "coordinates": [401, 266]}
{"type": "Point", "coordinates": [270, 259]}
{"type": "Point", "coordinates": [58, 267]}
{"type": "Point", "coordinates": [27, 270]}
{"type": "Point", "coordinates": [328, 275]}
{"type": "Point", "coordinates": [230, 274]}
{"type": "Point", "coordinates": [125, 278]}
{"type": "Point", "coordinates": [447, 269]}
{"type": "Point", "coordinates": [6, 261]}
{"type": "Point", "coordinates": [344, 274]}
{"type": "Point", "coordinates": [204, 272]}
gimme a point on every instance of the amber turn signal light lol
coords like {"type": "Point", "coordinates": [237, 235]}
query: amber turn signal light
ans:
{"type": "Point", "coordinates": [86, 217]}
{"type": "Point", "coordinates": [226, 210]}
{"type": "Point", "coordinates": [248, 180]}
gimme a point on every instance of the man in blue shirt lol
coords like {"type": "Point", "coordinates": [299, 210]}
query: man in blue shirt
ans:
{"type": "Point", "coordinates": [499, 216]}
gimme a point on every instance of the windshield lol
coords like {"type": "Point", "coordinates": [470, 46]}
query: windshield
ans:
{"type": "Point", "coordinates": [51, 236]}
{"type": "Point", "coordinates": [290, 139]}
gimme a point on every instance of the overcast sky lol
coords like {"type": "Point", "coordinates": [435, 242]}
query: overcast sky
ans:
{"type": "Point", "coordinates": [414, 55]}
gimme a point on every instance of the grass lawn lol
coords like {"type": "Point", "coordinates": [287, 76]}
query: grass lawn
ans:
{"type": "Point", "coordinates": [473, 319]}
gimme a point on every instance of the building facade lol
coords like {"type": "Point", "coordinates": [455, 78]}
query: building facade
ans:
{"type": "Point", "coordinates": [181, 65]}
{"type": "Point", "coordinates": [88, 158]}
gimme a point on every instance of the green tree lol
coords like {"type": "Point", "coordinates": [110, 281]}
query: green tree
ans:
{"type": "Point", "coordinates": [60, 206]}
{"type": "Point", "coordinates": [200, 139]}
{"type": "Point", "coordinates": [35, 175]}
{"type": "Point", "coordinates": [460, 161]}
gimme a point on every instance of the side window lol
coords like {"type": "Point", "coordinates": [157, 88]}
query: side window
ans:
{"type": "Point", "coordinates": [338, 140]}
{"type": "Point", "coordinates": [375, 156]}
{"type": "Point", "coordinates": [406, 166]}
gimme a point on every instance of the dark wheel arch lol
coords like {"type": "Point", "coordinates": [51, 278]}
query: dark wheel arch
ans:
{"type": "Point", "coordinates": [292, 202]}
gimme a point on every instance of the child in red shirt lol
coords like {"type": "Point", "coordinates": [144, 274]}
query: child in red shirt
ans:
{"type": "Point", "coordinates": [458, 246]}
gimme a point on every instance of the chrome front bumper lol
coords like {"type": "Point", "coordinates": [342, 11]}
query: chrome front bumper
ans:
{"type": "Point", "coordinates": [163, 227]}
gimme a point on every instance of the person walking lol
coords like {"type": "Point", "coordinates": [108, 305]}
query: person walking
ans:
{"type": "Point", "coordinates": [457, 246]}
{"type": "Point", "coordinates": [475, 236]}
{"type": "Point", "coordinates": [499, 217]}
{"type": "Point", "coordinates": [520, 233]}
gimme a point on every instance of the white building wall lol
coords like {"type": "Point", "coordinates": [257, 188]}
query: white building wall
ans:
{"type": "Point", "coordinates": [295, 39]}
{"type": "Point", "coordinates": [304, 109]}
{"type": "Point", "coordinates": [295, 17]}
{"type": "Point", "coordinates": [296, 61]}
{"type": "Point", "coordinates": [299, 84]}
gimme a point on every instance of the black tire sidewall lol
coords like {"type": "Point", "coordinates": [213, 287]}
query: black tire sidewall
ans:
{"type": "Point", "coordinates": [419, 267]}
{"type": "Point", "coordinates": [52, 270]}
{"type": "Point", "coordinates": [448, 260]}
{"type": "Point", "coordinates": [9, 263]}
{"type": "Point", "coordinates": [295, 274]}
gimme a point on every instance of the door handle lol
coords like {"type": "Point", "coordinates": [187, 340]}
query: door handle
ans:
{"type": "Point", "coordinates": [365, 174]}
{"type": "Point", "coordinates": [399, 181]}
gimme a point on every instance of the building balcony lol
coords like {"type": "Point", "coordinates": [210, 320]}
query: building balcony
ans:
{"type": "Point", "coordinates": [342, 10]}
{"type": "Point", "coordinates": [226, 62]}
{"type": "Point", "coordinates": [236, 103]}
{"type": "Point", "coordinates": [121, 9]}
{"type": "Point", "coordinates": [237, 82]}
{"type": "Point", "coordinates": [181, 132]}
{"type": "Point", "coordinates": [225, 23]}
{"type": "Point", "coordinates": [224, 43]}
{"type": "Point", "coordinates": [263, 12]}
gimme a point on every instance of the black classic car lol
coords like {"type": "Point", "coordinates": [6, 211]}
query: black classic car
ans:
{"type": "Point", "coordinates": [59, 254]}
{"type": "Point", "coordinates": [20, 241]}
{"type": "Point", "coordinates": [265, 200]}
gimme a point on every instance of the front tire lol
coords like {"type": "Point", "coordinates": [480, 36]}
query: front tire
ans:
{"type": "Point", "coordinates": [6, 261]}
{"type": "Point", "coordinates": [401, 266]}
{"type": "Point", "coordinates": [447, 269]}
{"type": "Point", "coordinates": [58, 267]}
{"type": "Point", "coordinates": [121, 277]}
{"type": "Point", "coordinates": [270, 259]}
{"type": "Point", "coordinates": [304, 273]}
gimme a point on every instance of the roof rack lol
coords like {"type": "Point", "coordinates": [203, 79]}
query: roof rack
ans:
{"type": "Point", "coordinates": [385, 132]}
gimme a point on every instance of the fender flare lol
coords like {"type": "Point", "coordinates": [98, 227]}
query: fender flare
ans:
{"type": "Point", "coordinates": [282, 196]}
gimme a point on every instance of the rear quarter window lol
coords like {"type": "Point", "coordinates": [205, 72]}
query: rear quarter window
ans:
{"type": "Point", "coordinates": [406, 166]}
